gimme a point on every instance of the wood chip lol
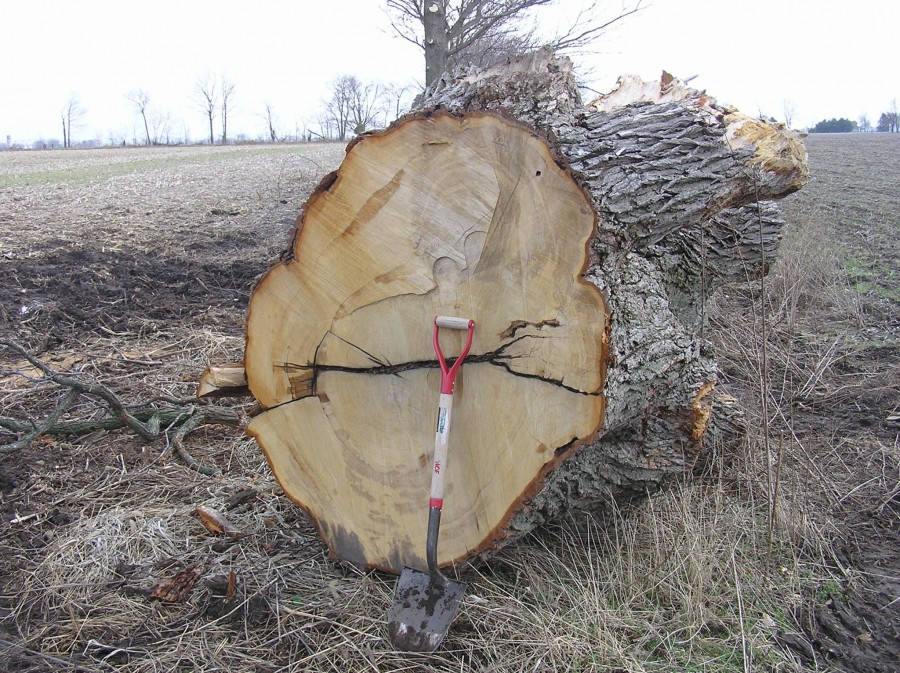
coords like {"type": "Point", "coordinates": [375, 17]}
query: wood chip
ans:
{"type": "Point", "coordinates": [215, 522]}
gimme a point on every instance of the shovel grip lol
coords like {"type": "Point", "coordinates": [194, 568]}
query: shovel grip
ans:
{"type": "Point", "coordinates": [452, 322]}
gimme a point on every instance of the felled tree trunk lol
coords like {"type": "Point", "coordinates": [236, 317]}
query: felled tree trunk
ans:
{"type": "Point", "coordinates": [583, 240]}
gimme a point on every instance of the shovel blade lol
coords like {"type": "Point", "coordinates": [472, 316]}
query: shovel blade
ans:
{"type": "Point", "coordinates": [425, 604]}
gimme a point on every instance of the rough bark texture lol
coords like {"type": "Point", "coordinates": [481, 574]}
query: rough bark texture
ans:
{"type": "Point", "coordinates": [682, 192]}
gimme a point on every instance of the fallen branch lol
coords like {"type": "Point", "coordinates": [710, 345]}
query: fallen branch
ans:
{"type": "Point", "coordinates": [146, 421]}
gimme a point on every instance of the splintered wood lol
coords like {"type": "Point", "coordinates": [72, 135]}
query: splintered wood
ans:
{"type": "Point", "coordinates": [469, 217]}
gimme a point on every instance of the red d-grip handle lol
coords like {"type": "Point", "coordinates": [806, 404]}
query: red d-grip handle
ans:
{"type": "Point", "coordinates": [448, 374]}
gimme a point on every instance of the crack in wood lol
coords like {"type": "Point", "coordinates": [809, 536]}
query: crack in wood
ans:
{"type": "Point", "coordinates": [497, 357]}
{"type": "Point", "coordinates": [516, 325]}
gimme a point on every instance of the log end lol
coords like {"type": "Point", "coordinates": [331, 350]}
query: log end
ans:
{"type": "Point", "coordinates": [440, 215]}
{"type": "Point", "coordinates": [778, 152]}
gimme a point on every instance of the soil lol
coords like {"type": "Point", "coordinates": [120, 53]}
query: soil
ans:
{"type": "Point", "coordinates": [850, 423]}
{"type": "Point", "coordinates": [134, 267]}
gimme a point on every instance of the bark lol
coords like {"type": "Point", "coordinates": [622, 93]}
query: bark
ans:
{"type": "Point", "coordinates": [615, 399]}
{"type": "Point", "coordinates": [437, 46]}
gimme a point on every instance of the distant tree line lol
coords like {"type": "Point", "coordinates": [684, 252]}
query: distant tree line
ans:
{"type": "Point", "coordinates": [841, 125]}
{"type": "Point", "coordinates": [353, 106]}
{"type": "Point", "coordinates": [888, 122]}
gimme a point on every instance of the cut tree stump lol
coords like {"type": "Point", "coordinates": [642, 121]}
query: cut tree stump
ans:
{"type": "Point", "coordinates": [583, 240]}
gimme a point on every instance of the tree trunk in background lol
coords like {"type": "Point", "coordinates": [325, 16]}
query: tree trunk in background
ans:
{"type": "Point", "coordinates": [437, 46]}
{"type": "Point", "coordinates": [583, 240]}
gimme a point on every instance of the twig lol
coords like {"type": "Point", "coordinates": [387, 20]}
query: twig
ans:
{"type": "Point", "coordinates": [191, 424]}
{"type": "Point", "coordinates": [147, 432]}
{"type": "Point", "coordinates": [76, 668]}
{"type": "Point", "coordinates": [145, 421]}
{"type": "Point", "coordinates": [38, 430]}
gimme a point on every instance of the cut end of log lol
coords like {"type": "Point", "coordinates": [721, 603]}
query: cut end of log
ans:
{"type": "Point", "coordinates": [441, 215]}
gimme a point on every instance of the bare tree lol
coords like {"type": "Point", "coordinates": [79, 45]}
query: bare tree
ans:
{"type": "Point", "coordinates": [394, 96]}
{"type": "Point", "coordinates": [162, 128]}
{"type": "Point", "coordinates": [354, 105]}
{"type": "Point", "coordinates": [207, 99]}
{"type": "Point", "coordinates": [789, 109]}
{"type": "Point", "coordinates": [864, 124]}
{"type": "Point", "coordinates": [227, 91]}
{"type": "Point", "coordinates": [326, 126]}
{"type": "Point", "coordinates": [366, 104]}
{"type": "Point", "coordinates": [71, 115]}
{"type": "Point", "coordinates": [269, 118]}
{"type": "Point", "coordinates": [459, 32]}
{"type": "Point", "coordinates": [337, 109]}
{"type": "Point", "coordinates": [141, 101]}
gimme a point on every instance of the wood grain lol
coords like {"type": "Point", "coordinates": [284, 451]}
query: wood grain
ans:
{"type": "Point", "coordinates": [467, 216]}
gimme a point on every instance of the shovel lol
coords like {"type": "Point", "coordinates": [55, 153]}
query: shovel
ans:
{"type": "Point", "coordinates": [426, 603]}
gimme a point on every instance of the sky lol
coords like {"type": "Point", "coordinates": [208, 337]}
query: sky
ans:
{"type": "Point", "coordinates": [822, 59]}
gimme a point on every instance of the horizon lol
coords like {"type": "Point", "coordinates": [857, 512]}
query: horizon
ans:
{"type": "Point", "coordinates": [100, 53]}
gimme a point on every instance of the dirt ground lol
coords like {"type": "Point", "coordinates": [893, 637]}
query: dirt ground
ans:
{"type": "Point", "coordinates": [134, 267]}
{"type": "Point", "coordinates": [849, 418]}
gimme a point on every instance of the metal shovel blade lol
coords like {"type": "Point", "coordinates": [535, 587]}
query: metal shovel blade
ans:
{"type": "Point", "coordinates": [425, 604]}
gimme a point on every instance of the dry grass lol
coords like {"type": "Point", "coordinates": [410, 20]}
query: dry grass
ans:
{"type": "Point", "coordinates": [672, 586]}
{"type": "Point", "coordinates": [707, 576]}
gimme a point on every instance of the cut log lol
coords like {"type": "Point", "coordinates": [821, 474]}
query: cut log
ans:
{"type": "Point", "coordinates": [583, 240]}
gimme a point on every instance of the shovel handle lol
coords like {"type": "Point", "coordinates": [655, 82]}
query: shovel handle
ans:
{"type": "Point", "coordinates": [442, 429]}
{"type": "Point", "coordinates": [441, 433]}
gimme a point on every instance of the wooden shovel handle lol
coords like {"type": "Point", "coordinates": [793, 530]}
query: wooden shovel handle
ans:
{"type": "Point", "coordinates": [442, 431]}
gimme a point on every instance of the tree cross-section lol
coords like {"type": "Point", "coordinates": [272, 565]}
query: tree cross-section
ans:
{"type": "Point", "coordinates": [441, 215]}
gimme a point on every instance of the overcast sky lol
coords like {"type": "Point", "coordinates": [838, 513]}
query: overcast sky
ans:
{"type": "Point", "coordinates": [829, 59]}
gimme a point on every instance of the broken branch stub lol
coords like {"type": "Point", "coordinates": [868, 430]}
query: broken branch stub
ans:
{"type": "Point", "coordinates": [440, 215]}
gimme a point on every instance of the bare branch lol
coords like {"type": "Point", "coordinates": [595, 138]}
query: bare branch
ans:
{"type": "Point", "coordinates": [481, 32]}
{"type": "Point", "coordinates": [584, 30]}
{"type": "Point", "coordinates": [147, 422]}
{"type": "Point", "coordinates": [36, 430]}
{"type": "Point", "coordinates": [489, 17]}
